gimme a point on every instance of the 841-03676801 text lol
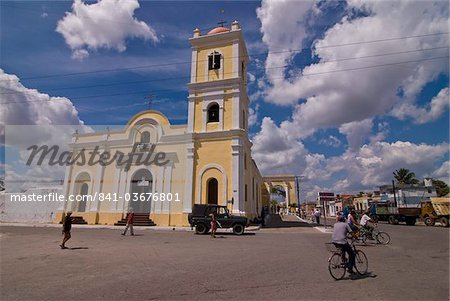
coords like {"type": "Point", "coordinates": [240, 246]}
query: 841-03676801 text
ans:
{"type": "Point", "coordinates": [142, 197]}
{"type": "Point", "coordinates": [102, 197]}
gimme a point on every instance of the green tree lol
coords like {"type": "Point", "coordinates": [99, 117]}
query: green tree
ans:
{"type": "Point", "coordinates": [442, 188]}
{"type": "Point", "coordinates": [405, 177]}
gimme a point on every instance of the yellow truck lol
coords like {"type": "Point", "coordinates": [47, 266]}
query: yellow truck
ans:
{"type": "Point", "coordinates": [436, 209]}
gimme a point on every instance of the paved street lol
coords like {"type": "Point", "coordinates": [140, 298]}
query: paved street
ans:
{"type": "Point", "coordinates": [284, 263]}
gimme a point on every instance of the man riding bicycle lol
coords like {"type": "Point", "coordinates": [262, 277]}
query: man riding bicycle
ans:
{"type": "Point", "coordinates": [366, 223]}
{"type": "Point", "coordinates": [339, 238]}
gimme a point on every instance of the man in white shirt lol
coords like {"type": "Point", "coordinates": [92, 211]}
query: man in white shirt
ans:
{"type": "Point", "coordinates": [366, 222]}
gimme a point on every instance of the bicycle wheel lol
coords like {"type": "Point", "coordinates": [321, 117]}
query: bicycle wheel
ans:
{"type": "Point", "coordinates": [363, 238]}
{"type": "Point", "coordinates": [383, 238]}
{"type": "Point", "coordinates": [361, 263]}
{"type": "Point", "coordinates": [336, 267]}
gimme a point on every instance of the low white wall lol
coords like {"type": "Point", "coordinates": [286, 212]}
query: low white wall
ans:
{"type": "Point", "coordinates": [29, 212]}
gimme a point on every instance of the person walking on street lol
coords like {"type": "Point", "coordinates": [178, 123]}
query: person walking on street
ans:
{"type": "Point", "coordinates": [67, 226]}
{"type": "Point", "coordinates": [213, 225]}
{"type": "Point", "coordinates": [263, 216]}
{"type": "Point", "coordinates": [317, 215]}
{"type": "Point", "coordinates": [130, 221]}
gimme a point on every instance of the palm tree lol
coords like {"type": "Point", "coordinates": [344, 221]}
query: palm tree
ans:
{"type": "Point", "coordinates": [405, 177]}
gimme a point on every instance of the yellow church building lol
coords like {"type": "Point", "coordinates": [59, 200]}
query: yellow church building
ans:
{"type": "Point", "coordinates": [208, 160]}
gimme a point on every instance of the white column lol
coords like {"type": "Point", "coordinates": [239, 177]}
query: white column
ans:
{"type": "Point", "coordinates": [67, 181]}
{"type": "Point", "coordinates": [117, 171]}
{"type": "Point", "coordinates": [167, 185]}
{"type": "Point", "coordinates": [236, 58]}
{"type": "Point", "coordinates": [221, 116]}
{"type": "Point", "coordinates": [191, 114]}
{"type": "Point", "coordinates": [287, 197]}
{"type": "Point", "coordinates": [187, 198]}
{"type": "Point", "coordinates": [159, 188]}
{"type": "Point", "coordinates": [122, 190]}
{"type": "Point", "coordinates": [205, 116]}
{"type": "Point", "coordinates": [194, 66]}
{"type": "Point", "coordinates": [100, 170]}
{"type": "Point", "coordinates": [237, 174]}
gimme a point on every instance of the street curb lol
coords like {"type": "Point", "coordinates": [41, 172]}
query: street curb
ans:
{"type": "Point", "coordinates": [154, 228]}
{"type": "Point", "coordinates": [323, 230]}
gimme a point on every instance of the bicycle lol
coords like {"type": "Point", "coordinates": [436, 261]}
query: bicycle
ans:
{"type": "Point", "coordinates": [338, 261]}
{"type": "Point", "coordinates": [380, 237]}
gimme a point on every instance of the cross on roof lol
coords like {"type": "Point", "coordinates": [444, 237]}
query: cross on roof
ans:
{"type": "Point", "coordinates": [222, 23]}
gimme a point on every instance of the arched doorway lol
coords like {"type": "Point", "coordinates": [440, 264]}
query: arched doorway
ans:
{"type": "Point", "coordinates": [81, 188]}
{"type": "Point", "coordinates": [212, 191]}
{"type": "Point", "coordinates": [83, 192]}
{"type": "Point", "coordinates": [141, 186]}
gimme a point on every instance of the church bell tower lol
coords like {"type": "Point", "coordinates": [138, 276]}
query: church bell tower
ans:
{"type": "Point", "coordinates": [219, 156]}
{"type": "Point", "coordinates": [218, 98]}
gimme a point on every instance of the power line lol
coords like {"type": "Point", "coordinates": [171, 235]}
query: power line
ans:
{"type": "Point", "coordinates": [83, 17]}
{"type": "Point", "coordinates": [187, 77]}
{"type": "Point", "coordinates": [369, 67]}
{"type": "Point", "coordinates": [189, 62]}
{"type": "Point", "coordinates": [297, 76]}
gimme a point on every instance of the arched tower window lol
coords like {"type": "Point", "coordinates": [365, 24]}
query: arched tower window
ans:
{"type": "Point", "coordinates": [145, 137]}
{"type": "Point", "coordinates": [213, 113]}
{"type": "Point", "coordinates": [214, 61]}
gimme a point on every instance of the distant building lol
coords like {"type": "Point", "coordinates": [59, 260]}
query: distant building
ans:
{"type": "Point", "coordinates": [408, 196]}
{"type": "Point", "coordinates": [362, 201]}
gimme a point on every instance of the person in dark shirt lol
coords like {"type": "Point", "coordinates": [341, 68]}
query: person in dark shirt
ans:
{"type": "Point", "coordinates": [263, 216]}
{"type": "Point", "coordinates": [67, 226]}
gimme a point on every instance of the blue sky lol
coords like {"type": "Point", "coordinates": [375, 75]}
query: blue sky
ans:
{"type": "Point", "coordinates": [332, 123]}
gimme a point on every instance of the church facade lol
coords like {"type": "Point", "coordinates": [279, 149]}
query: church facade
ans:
{"type": "Point", "coordinates": [208, 160]}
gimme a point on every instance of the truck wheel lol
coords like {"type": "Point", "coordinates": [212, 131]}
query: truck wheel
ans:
{"type": "Point", "coordinates": [201, 229]}
{"type": "Point", "coordinates": [238, 229]}
{"type": "Point", "coordinates": [429, 221]}
{"type": "Point", "coordinates": [392, 220]}
{"type": "Point", "coordinates": [410, 221]}
{"type": "Point", "coordinates": [444, 221]}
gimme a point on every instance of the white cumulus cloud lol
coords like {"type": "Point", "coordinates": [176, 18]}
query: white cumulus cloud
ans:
{"type": "Point", "coordinates": [330, 99]}
{"type": "Point", "coordinates": [431, 112]}
{"type": "Point", "coordinates": [105, 24]}
{"type": "Point", "coordinates": [29, 117]}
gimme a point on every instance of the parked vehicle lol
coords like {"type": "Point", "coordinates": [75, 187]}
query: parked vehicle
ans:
{"type": "Point", "coordinates": [393, 214]}
{"type": "Point", "coordinates": [436, 209]}
{"type": "Point", "coordinates": [200, 220]}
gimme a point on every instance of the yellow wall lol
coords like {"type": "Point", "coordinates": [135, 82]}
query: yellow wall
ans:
{"type": "Point", "coordinates": [228, 112]}
{"type": "Point", "coordinates": [213, 152]}
{"type": "Point", "coordinates": [212, 126]}
{"type": "Point", "coordinates": [202, 63]}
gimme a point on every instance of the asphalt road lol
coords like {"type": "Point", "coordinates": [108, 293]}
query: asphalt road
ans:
{"type": "Point", "coordinates": [286, 263]}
